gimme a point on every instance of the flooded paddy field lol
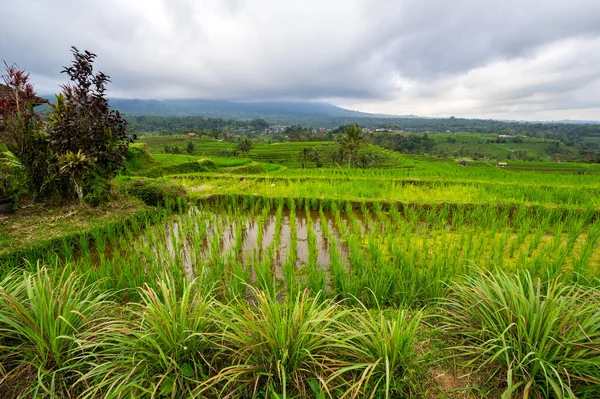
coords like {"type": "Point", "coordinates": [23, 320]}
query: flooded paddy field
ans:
{"type": "Point", "coordinates": [398, 256]}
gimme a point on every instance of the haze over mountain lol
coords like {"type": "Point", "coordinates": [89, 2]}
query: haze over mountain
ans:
{"type": "Point", "coordinates": [235, 109]}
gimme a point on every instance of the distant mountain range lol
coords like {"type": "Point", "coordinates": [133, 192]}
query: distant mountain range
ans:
{"type": "Point", "coordinates": [290, 112]}
{"type": "Point", "coordinates": [235, 109]}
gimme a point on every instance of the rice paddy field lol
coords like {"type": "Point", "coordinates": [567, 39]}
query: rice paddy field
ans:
{"type": "Point", "coordinates": [428, 281]}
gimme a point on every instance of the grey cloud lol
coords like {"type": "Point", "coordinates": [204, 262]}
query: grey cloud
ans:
{"type": "Point", "coordinates": [368, 53]}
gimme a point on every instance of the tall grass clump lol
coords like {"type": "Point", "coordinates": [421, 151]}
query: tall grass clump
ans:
{"type": "Point", "coordinates": [544, 335]}
{"type": "Point", "coordinates": [384, 353]}
{"type": "Point", "coordinates": [277, 348]}
{"type": "Point", "coordinates": [161, 347]}
{"type": "Point", "coordinates": [43, 321]}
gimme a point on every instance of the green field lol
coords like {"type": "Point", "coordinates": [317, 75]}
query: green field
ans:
{"type": "Point", "coordinates": [285, 154]}
{"type": "Point", "coordinates": [248, 276]}
{"type": "Point", "coordinates": [484, 146]}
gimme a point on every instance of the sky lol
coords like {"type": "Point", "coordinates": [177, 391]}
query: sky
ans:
{"type": "Point", "coordinates": [492, 59]}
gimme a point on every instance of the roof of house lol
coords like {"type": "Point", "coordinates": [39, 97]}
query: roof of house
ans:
{"type": "Point", "coordinates": [7, 92]}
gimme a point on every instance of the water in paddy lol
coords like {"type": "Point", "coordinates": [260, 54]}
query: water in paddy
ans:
{"type": "Point", "coordinates": [201, 236]}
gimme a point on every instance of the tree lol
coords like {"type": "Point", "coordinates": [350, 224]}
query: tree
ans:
{"type": "Point", "coordinates": [258, 124]}
{"type": "Point", "coordinates": [304, 156]}
{"type": "Point", "coordinates": [81, 121]}
{"type": "Point", "coordinates": [190, 148]}
{"type": "Point", "coordinates": [244, 145]}
{"type": "Point", "coordinates": [368, 160]}
{"type": "Point", "coordinates": [351, 140]}
{"type": "Point", "coordinates": [316, 157]}
{"type": "Point", "coordinates": [337, 157]}
{"type": "Point", "coordinates": [21, 130]}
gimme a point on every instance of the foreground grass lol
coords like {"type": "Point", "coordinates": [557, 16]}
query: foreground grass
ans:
{"type": "Point", "coordinates": [63, 336]}
{"type": "Point", "coordinates": [543, 336]}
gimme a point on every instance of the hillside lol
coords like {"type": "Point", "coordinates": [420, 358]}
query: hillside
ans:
{"type": "Point", "coordinates": [233, 109]}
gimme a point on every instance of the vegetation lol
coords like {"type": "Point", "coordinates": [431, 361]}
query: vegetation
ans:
{"type": "Point", "coordinates": [79, 148]}
{"type": "Point", "coordinates": [350, 141]}
{"type": "Point", "coordinates": [584, 134]}
{"type": "Point", "coordinates": [244, 146]}
{"type": "Point", "coordinates": [21, 132]}
{"type": "Point", "coordinates": [315, 269]}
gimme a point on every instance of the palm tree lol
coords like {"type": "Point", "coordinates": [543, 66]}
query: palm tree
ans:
{"type": "Point", "coordinates": [351, 140]}
{"type": "Point", "coordinates": [244, 145]}
{"type": "Point", "coordinates": [337, 157]}
{"type": "Point", "coordinates": [315, 156]}
{"type": "Point", "coordinates": [304, 156]}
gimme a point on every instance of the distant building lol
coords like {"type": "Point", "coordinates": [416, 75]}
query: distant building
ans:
{"type": "Point", "coordinates": [502, 164]}
{"type": "Point", "coordinates": [192, 135]}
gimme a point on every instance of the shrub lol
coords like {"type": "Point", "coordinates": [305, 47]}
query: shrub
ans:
{"type": "Point", "coordinates": [162, 349]}
{"type": "Point", "coordinates": [43, 319]}
{"type": "Point", "coordinates": [385, 351]}
{"type": "Point", "coordinates": [12, 178]}
{"type": "Point", "coordinates": [155, 193]}
{"type": "Point", "coordinates": [82, 122]}
{"type": "Point", "coordinates": [545, 336]}
{"type": "Point", "coordinates": [278, 347]}
{"type": "Point", "coordinates": [138, 156]}
{"type": "Point", "coordinates": [21, 132]}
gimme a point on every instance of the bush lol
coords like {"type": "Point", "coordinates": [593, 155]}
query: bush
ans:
{"type": "Point", "coordinates": [278, 347]}
{"type": "Point", "coordinates": [43, 319]}
{"type": "Point", "coordinates": [11, 176]}
{"type": "Point", "coordinates": [163, 347]}
{"type": "Point", "coordinates": [81, 122]}
{"type": "Point", "coordinates": [21, 132]}
{"type": "Point", "coordinates": [155, 193]}
{"type": "Point", "coordinates": [138, 156]}
{"type": "Point", "coordinates": [546, 336]}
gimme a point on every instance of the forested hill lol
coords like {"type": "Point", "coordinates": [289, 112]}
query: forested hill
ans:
{"type": "Point", "coordinates": [233, 109]}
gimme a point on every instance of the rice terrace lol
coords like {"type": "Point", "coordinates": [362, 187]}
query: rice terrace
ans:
{"type": "Point", "coordinates": [254, 253]}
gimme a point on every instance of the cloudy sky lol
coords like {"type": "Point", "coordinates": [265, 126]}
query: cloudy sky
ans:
{"type": "Point", "coordinates": [509, 59]}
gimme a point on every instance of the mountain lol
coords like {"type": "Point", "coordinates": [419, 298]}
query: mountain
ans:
{"type": "Point", "coordinates": [234, 109]}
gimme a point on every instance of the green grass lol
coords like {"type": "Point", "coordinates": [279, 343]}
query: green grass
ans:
{"type": "Point", "coordinates": [44, 317]}
{"type": "Point", "coordinates": [544, 335]}
{"type": "Point", "coordinates": [469, 144]}
{"type": "Point", "coordinates": [40, 226]}
{"type": "Point", "coordinates": [285, 154]}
